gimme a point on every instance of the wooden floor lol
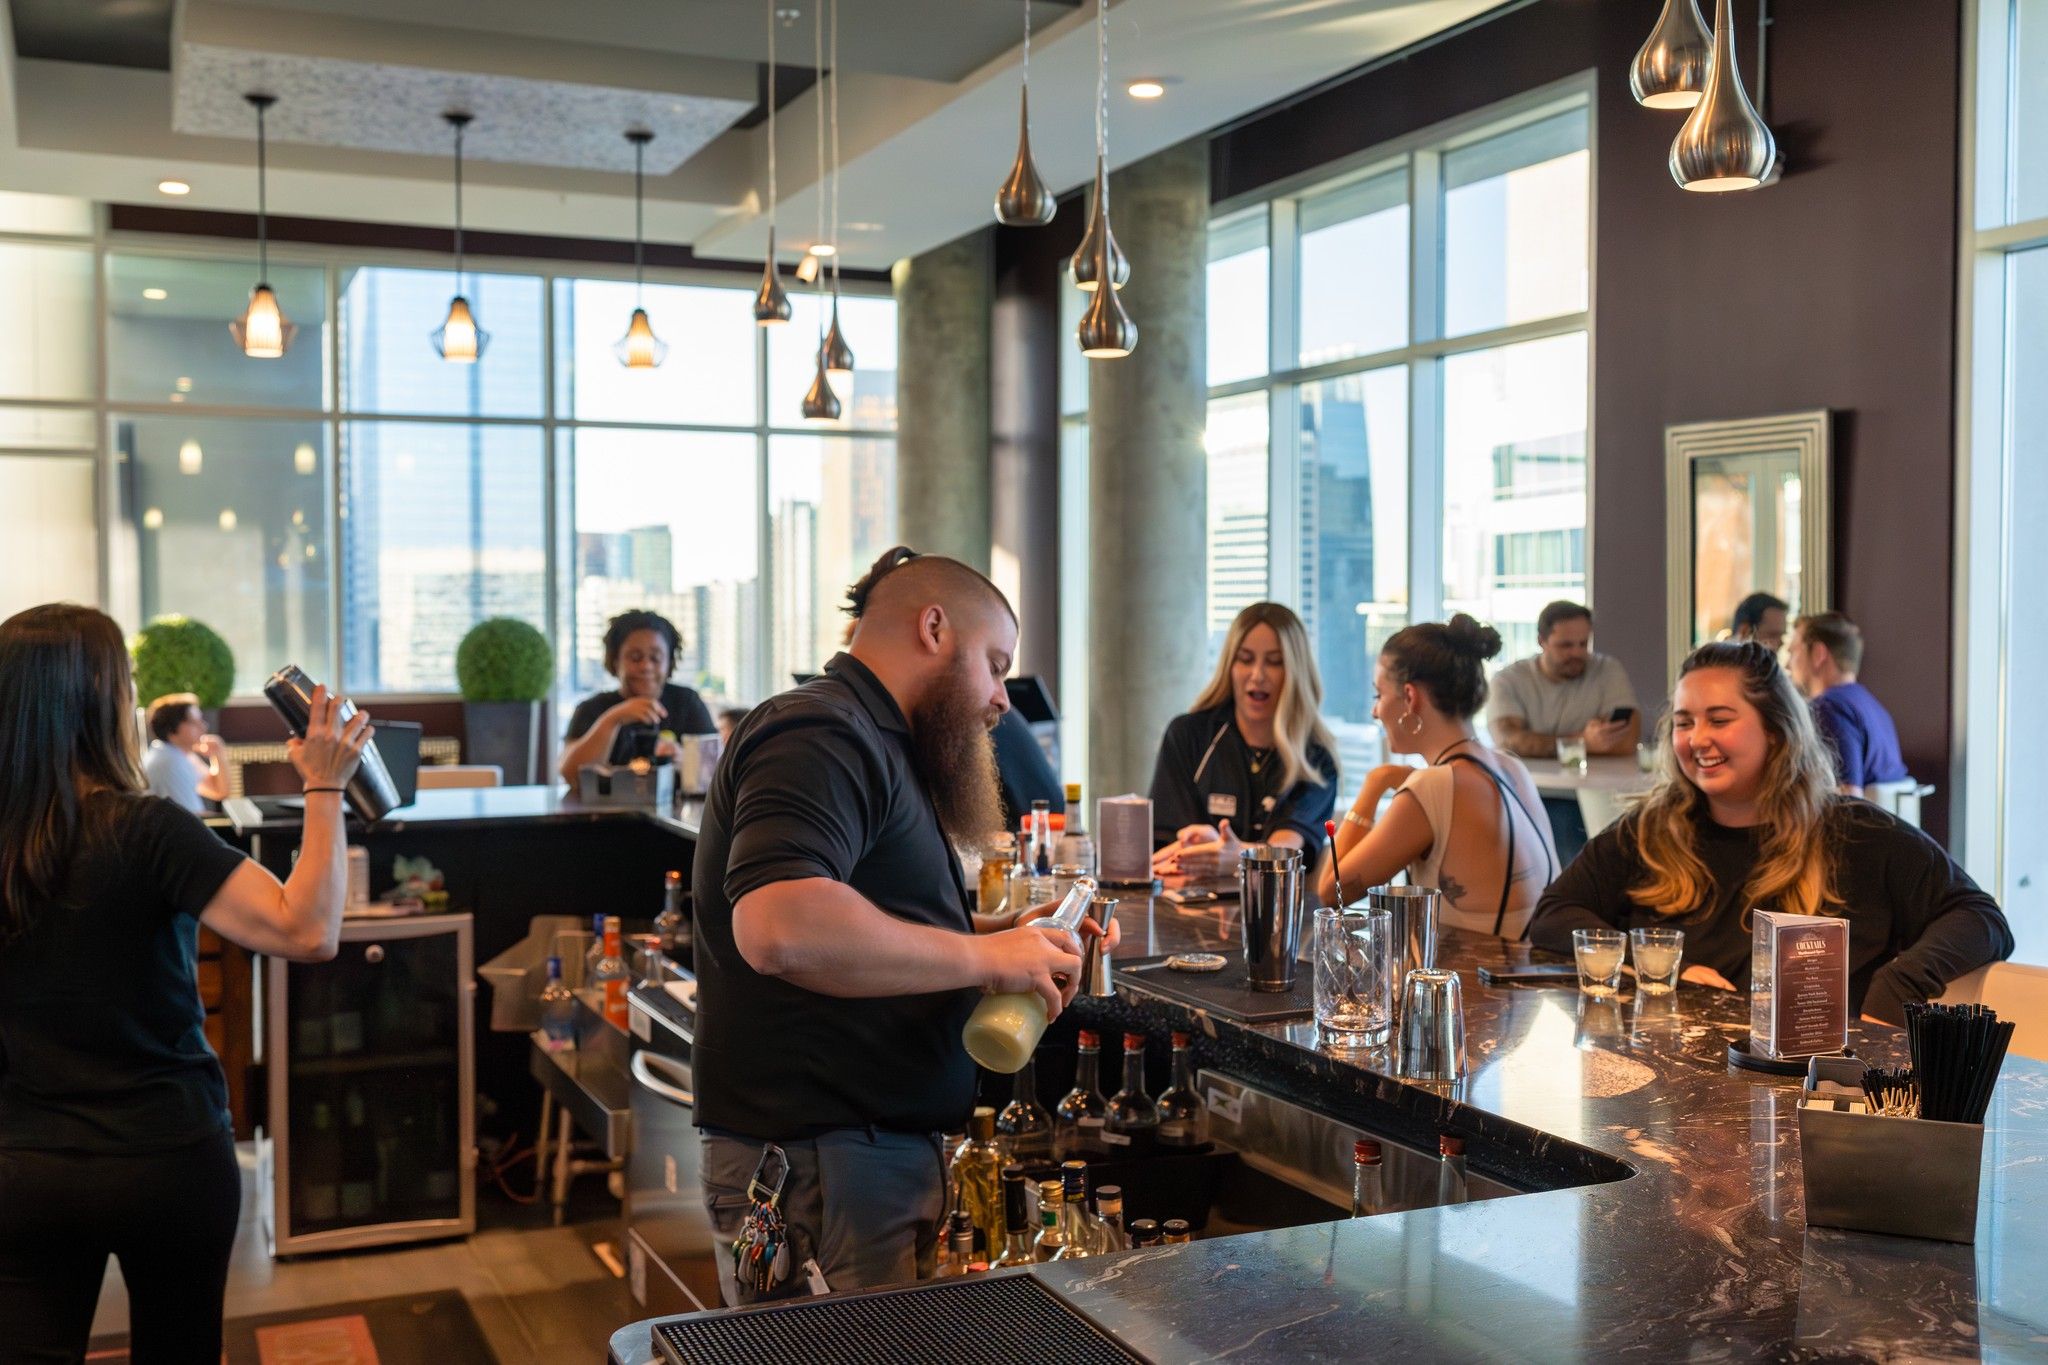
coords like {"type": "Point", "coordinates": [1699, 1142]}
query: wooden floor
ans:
{"type": "Point", "coordinates": [540, 1293]}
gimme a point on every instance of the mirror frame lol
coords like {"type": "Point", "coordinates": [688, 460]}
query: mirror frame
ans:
{"type": "Point", "coordinates": [1808, 434]}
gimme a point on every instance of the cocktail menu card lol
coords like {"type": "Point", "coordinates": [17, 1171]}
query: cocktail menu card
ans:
{"type": "Point", "coordinates": [1798, 984]}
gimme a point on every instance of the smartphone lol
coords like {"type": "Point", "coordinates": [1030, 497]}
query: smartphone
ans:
{"type": "Point", "coordinates": [371, 794]}
{"type": "Point", "coordinates": [1188, 895]}
{"type": "Point", "coordinates": [1530, 973]}
{"type": "Point", "coordinates": [1622, 713]}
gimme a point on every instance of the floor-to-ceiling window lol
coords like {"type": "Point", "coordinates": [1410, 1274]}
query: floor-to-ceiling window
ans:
{"type": "Point", "coordinates": [2003, 651]}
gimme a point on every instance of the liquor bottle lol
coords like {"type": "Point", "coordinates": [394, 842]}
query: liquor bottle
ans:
{"type": "Point", "coordinates": [358, 1158]}
{"type": "Point", "coordinates": [1051, 1240]}
{"type": "Point", "coordinates": [611, 979]}
{"type": "Point", "coordinates": [1109, 1220]}
{"type": "Point", "coordinates": [1077, 1121]}
{"type": "Point", "coordinates": [1145, 1233]}
{"type": "Point", "coordinates": [998, 861]}
{"type": "Point", "coordinates": [1450, 1176]}
{"type": "Point", "coordinates": [1076, 1227]}
{"type": "Point", "coordinates": [1041, 839]}
{"type": "Point", "coordinates": [1016, 1221]}
{"type": "Point", "coordinates": [977, 1177]}
{"type": "Point", "coordinates": [1024, 1125]}
{"type": "Point", "coordinates": [1176, 1231]}
{"type": "Point", "coordinates": [648, 946]}
{"type": "Point", "coordinates": [1367, 1195]}
{"type": "Point", "coordinates": [1183, 1118]}
{"type": "Point", "coordinates": [594, 954]}
{"type": "Point", "coordinates": [557, 1011]}
{"type": "Point", "coordinates": [959, 1257]}
{"type": "Point", "coordinates": [316, 1169]}
{"type": "Point", "coordinates": [671, 925]}
{"type": "Point", "coordinates": [1004, 1029]}
{"type": "Point", "coordinates": [1076, 848]}
{"type": "Point", "coordinates": [1132, 1127]}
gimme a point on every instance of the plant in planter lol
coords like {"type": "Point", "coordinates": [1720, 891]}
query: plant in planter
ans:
{"type": "Point", "coordinates": [503, 667]}
{"type": "Point", "coordinates": [179, 654]}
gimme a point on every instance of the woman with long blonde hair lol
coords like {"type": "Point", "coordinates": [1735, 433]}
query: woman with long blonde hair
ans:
{"type": "Point", "coordinates": [1745, 815]}
{"type": "Point", "coordinates": [1252, 760]}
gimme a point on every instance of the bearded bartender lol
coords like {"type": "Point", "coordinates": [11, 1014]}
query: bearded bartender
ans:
{"type": "Point", "coordinates": [837, 956]}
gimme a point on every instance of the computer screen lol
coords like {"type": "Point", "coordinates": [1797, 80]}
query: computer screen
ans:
{"type": "Point", "coordinates": [398, 742]}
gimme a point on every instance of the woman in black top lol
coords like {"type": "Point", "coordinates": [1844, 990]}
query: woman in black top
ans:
{"type": "Point", "coordinates": [1745, 814]}
{"type": "Point", "coordinates": [1251, 760]}
{"type": "Point", "coordinates": [625, 723]}
{"type": "Point", "coordinates": [114, 1131]}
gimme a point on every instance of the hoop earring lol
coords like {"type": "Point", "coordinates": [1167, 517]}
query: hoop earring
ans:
{"type": "Point", "coordinates": [1403, 723]}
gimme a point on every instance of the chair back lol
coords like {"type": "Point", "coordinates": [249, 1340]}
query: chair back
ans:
{"type": "Point", "coordinates": [442, 776]}
{"type": "Point", "coordinates": [1901, 798]}
{"type": "Point", "coordinates": [2018, 992]}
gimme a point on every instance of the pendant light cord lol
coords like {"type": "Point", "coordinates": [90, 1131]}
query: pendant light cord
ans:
{"type": "Point", "coordinates": [458, 208]}
{"type": "Point", "coordinates": [1027, 44]}
{"type": "Point", "coordinates": [1102, 96]}
{"type": "Point", "coordinates": [835, 152]}
{"type": "Point", "coordinates": [818, 92]}
{"type": "Point", "coordinates": [771, 114]}
{"type": "Point", "coordinates": [639, 155]}
{"type": "Point", "coordinates": [262, 202]}
{"type": "Point", "coordinates": [1763, 39]}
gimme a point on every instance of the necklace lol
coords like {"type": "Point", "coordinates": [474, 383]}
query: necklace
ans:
{"type": "Point", "coordinates": [1438, 760]}
{"type": "Point", "coordinates": [1259, 758]}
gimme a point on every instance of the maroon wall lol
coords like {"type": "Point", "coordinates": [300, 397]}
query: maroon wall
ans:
{"type": "Point", "coordinates": [1834, 288]}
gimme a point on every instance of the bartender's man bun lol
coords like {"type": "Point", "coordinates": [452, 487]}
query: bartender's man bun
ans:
{"type": "Point", "coordinates": [1446, 660]}
{"type": "Point", "coordinates": [901, 574]}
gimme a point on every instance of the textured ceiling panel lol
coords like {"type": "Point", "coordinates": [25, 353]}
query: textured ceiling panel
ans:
{"type": "Point", "coordinates": [327, 102]}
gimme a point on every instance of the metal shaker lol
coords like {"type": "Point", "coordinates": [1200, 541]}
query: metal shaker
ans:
{"type": "Point", "coordinates": [1414, 913]}
{"type": "Point", "coordinates": [1432, 1025]}
{"type": "Point", "coordinates": [1269, 890]}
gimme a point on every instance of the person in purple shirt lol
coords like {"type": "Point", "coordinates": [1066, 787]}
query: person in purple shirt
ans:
{"type": "Point", "coordinates": [1825, 653]}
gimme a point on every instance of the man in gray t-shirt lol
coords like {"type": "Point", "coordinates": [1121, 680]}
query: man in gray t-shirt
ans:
{"type": "Point", "coordinates": [1567, 690]}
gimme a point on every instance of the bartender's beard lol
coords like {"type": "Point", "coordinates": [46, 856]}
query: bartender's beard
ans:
{"type": "Point", "coordinates": [955, 754]}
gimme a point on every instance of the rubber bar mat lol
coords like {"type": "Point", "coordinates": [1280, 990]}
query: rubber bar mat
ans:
{"type": "Point", "coordinates": [1227, 992]}
{"type": "Point", "coordinates": [996, 1320]}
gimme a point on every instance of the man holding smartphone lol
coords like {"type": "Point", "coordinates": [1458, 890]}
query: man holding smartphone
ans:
{"type": "Point", "coordinates": [1565, 692]}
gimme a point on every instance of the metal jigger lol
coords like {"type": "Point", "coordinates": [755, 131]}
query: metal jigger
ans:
{"type": "Point", "coordinates": [1096, 966]}
{"type": "Point", "coordinates": [1432, 1025]}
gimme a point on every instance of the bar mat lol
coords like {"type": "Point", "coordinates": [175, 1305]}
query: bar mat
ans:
{"type": "Point", "coordinates": [1227, 993]}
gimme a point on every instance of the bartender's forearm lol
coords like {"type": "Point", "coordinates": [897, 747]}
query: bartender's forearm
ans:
{"type": "Point", "coordinates": [826, 937]}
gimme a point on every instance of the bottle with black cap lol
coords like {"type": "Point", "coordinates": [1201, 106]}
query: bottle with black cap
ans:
{"type": "Point", "coordinates": [1145, 1233]}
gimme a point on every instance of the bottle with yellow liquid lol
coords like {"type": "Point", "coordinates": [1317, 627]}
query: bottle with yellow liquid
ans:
{"type": "Point", "coordinates": [1004, 1029]}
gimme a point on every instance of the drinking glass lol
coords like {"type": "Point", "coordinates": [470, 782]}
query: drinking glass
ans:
{"type": "Point", "coordinates": [1354, 969]}
{"type": "Point", "coordinates": [1657, 955]}
{"type": "Point", "coordinates": [1571, 752]}
{"type": "Point", "coordinates": [1600, 952]}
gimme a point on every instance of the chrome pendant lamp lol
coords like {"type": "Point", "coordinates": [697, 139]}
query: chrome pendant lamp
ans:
{"type": "Point", "coordinates": [1023, 199]}
{"type": "Point", "coordinates": [1106, 331]}
{"type": "Point", "coordinates": [459, 340]}
{"type": "Point", "coordinates": [771, 305]}
{"type": "Point", "coordinates": [263, 331]}
{"type": "Point", "coordinates": [1725, 145]}
{"type": "Point", "coordinates": [833, 350]}
{"type": "Point", "coordinates": [639, 348]}
{"type": "Point", "coordinates": [820, 405]}
{"type": "Point", "coordinates": [1670, 70]}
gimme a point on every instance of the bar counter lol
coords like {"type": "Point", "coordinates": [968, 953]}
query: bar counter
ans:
{"type": "Point", "coordinates": [1681, 1235]}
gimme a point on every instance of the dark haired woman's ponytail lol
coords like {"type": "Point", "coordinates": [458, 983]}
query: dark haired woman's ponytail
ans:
{"type": "Point", "coordinates": [1471, 637]}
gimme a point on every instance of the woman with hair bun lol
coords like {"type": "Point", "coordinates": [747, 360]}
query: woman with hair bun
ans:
{"type": "Point", "coordinates": [1472, 825]}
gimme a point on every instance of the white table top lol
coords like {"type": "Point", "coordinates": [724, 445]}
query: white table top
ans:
{"type": "Point", "coordinates": [1615, 773]}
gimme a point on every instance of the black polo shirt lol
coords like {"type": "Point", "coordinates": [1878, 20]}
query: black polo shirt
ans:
{"type": "Point", "coordinates": [1204, 775]}
{"type": "Point", "coordinates": [819, 783]}
{"type": "Point", "coordinates": [687, 715]}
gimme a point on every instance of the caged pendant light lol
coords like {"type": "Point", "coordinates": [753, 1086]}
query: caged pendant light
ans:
{"type": "Point", "coordinates": [1670, 70]}
{"type": "Point", "coordinates": [1725, 145]}
{"type": "Point", "coordinates": [820, 405]}
{"type": "Point", "coordinates": [1023, 200]}
{"type": "Point", "coordinates": [639, 348]}
{"type": "Point", "coordinates": [836, 354]}
{"type": "Point", "coordinates": [1106, 331]}
{"type": "Point", "coordinates": [459, 340]}
{"type": "Point", "coordinates": [771, 304]}
{"type": "Point", "coordinates": [263, 331]}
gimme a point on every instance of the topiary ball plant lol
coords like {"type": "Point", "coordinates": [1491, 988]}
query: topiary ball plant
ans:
{"type": "Point", "coordinates": [179, 654]}
{"type": "Point", "coordinates": [504, 659]}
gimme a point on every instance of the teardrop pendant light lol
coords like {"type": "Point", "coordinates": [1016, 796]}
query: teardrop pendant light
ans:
{"type": "Point", "coordinates": [459, 340]}
{"type": "Point", "coordinates": [833, 350]}
{"type": "Point", "coordinates": [1724, 144]}
{"type": "Point", "coordinates": [820, 405]}
{"type": "Point", "coordinates": [1106, 331]}
{"type": "Point", "coordinates": [771, 305]}
{"type": "Point", "coordinates": [1670, 70]}
{"type": "Point", "coordinates": [1023, 199]}
{"type": "Point", "coordinates": [263, 331]}
{"type": "Point", "coordinates": [639, 348]}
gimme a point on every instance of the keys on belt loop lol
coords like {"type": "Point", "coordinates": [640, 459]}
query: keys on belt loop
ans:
{"type": "Point", "coordinates": [760, 1254]}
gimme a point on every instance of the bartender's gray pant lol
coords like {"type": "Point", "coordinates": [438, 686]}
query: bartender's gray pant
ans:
{"type": "Point", "coordinates": [865, 1204]}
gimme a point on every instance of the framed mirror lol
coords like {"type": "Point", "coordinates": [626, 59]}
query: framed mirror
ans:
{"type": "Point", "coordinates": [1746, 511]}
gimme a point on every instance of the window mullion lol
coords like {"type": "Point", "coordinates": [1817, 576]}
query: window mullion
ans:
{"type": "Point", "coordinates": [1425, 389]}
{"type": "Point", "coordinates": [1283, 446]}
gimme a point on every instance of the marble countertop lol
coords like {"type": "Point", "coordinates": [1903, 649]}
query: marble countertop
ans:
{"type": "Point", "coordinates": [1703, 1253]}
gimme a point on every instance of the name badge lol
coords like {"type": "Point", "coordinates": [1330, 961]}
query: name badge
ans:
{"type": "Point", "coordinates": [1223, 805]}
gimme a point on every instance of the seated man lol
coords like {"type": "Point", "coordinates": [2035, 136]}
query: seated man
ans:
{"type": "Point", "coordinates": [1760, 617]}
{"type": "Point", "coordinates": [1565, 692]}
{"type": "Point", "coordinates": [1827, 650]}
{"type": "Point", "coordinates": [183, 762]}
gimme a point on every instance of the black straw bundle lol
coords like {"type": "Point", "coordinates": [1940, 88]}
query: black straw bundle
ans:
{"type": "Point", "coordinates": [1957, 1053]}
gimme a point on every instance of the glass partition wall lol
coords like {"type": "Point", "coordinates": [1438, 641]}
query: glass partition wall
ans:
{"type": "Point", "coordinates": [357, 505]}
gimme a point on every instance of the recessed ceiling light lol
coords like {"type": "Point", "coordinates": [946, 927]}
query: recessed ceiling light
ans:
{"type": "Point", "coordinates": [824, 249]}
{"type": "Point", "coordinates": [1147, 87]}
{"type": "Point", "coordinates": [173, 187]}
{"type": "Point", "coordinates": [156, 295]}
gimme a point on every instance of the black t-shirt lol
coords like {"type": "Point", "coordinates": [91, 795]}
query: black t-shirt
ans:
{"type": "Point", "coordinates": [1916, 920]}
{"type": "Point", "coordinates": [102, 1034]}
{"type": "Point", "coordinates": [1204, 774]}
{"type": "Point", "coordinates": [687, 715]}
{"type": "Point", "coordinates": [819, 782]}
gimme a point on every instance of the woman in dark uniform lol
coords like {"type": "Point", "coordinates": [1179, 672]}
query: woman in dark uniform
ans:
{"type": "Point", "coordinates": [1252, 760]}
{"type": "Point", "coordinates": [614, 726]}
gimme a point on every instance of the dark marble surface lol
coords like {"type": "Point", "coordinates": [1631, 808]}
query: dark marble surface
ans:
{"type": "Point", "coordinates": [460, 807]}
{"type": "Point", "coordinates": [1699, 1252]}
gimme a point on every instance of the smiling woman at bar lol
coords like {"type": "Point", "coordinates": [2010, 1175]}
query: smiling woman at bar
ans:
{"type": "Point", "coordinates": [1252, 759]}
{"type": "Point", "coordinates": [627, 721]}
{"type": "Point", "coordinates": [114, 1132]}
{"type": "Point", "coordinates": [1745, 815]}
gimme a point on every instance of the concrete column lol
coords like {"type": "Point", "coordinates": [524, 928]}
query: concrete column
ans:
{"type": "Point", "coordinates": [942, 400]}
{"type": "Point", "coordinates": [1147, 475]}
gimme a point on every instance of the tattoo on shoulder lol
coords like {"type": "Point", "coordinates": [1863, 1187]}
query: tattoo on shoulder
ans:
{"type": "Point", "coordinates": [1453, 889]}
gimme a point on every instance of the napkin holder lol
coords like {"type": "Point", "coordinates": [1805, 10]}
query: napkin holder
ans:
{"type": "Point", "coordinates": [601, 784]}
{"type": "Point", "coordinates": [1869, 1173]}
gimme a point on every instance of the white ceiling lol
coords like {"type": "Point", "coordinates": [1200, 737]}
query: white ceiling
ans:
{"type": "Point", "coordinates": [928, 106]}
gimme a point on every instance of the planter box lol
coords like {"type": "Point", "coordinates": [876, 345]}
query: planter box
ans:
{"type": "Point", "coordinates": [506, 733]}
